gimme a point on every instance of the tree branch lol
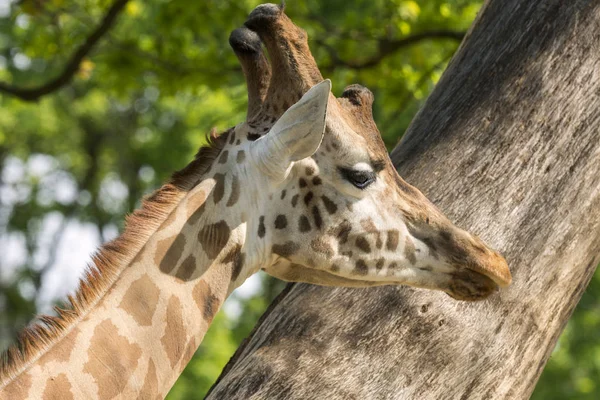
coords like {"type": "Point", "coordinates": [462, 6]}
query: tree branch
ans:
{"type": "Point", "coordinates": [387, 47]}
{"type": "Point", "coordinates": [33, 94]}
{"type": "Point", "coordinates": [518, 126]}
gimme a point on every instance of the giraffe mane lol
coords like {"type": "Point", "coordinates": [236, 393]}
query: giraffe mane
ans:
{"type": "Point", "coordinates": [109, 261]}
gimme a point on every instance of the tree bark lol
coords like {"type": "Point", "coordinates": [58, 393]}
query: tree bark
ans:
{"type": "Point", "coordinates": [508, 146]}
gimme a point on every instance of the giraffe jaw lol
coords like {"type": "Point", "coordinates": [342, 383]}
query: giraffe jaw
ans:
{"type": "Point", "coordinates": [466, 285]}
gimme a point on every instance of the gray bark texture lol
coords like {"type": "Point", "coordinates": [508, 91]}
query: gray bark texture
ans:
{"type": "Point", "coordinates": [508, 146]}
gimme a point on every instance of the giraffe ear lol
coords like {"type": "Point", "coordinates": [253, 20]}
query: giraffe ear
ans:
{"type": "Point", "coordinates": [296, 135]}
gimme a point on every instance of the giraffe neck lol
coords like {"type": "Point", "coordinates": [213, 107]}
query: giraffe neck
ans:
{"type": "Point", "coordinates": [141, 333]}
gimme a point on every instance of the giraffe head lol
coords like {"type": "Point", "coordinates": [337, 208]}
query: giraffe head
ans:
{"type": "Point", "coordinates": [330, 207]}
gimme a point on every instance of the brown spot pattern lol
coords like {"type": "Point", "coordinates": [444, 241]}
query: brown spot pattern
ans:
{"type": "Point", "coordinates": [317, 181]}
{"type": "Point", "coordinates": [219, 189]}
{"type": "Point", "coordinates": [308, 197]}
{"type": "Point", "coordinates": [303, 224]}
{"type": "Point", "coordinates": [187, 268]}
{"type": "Point", "coordinates": [236, 257]}
{"type": "Point", "coordinates": [175, 335]}
{"type": "Point", "coordinates": [341, 231]}
{"type": "Point", "coordinates": [140, 300]}
{"type": "Point", "coordinates": [379, 264]}
{"type": "Point", "coordinates": [223, 158]}
{"type": "Point", "coordinates": [18, 388]}
{"type": "Point", "coordinates": [317, 217]}
{"type": "Point", "coordinates": [368, 225]}
{"type": "Point", "coordinates": [309, 170]}
{"type": "Point", "coordinates": [150, 388]}
{"type": "Point", "coordinates": [196, 215]}
{"type": "Point", "coordinates": [321, 246]}
{"type": "Point", "coordinates": [409, 250]}
{"type": "Point", "coordinates": [363, 244]}
{"type": "Point", "coordinates": [360, 268]}
{"type": "Point", "coordinates": [168, 252]}
{"type": "Point", "coordinates": [235, 191]}
{"type": "Point", "coordinates": [195, 206]}
{"type": "Point", "coordinates": [241, 156]}
{"type": "Point", "coordinates": [213, 238]}
{"type": "Point", "coordinates": [330, 206]}
{"type": "Point", "coordinates": [295, 200]}
{"type": "Point", "coordinates": [283, 193]}
{"type": "Point", "coordinates": [112, 359]}
{"type": "Point", "coordinates": [285, 250]}
{"type": "Point", "coordinates": [393, 236]}
{"type": "Point", "coordinates": [261, 227]}
{"type": "Point", "coordinates": [302, 182]}
{"type": "Point", "coordinates": [61, 352]}
{"type": "Point", "coordinates": [280, 222]}
{"type": "Point", "coordinates": [58, 388]}
{"type": "Point", "coordinates": [207, 303]}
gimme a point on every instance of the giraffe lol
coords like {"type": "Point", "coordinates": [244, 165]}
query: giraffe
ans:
{"type": "Point", "coordinates": [303, 189]}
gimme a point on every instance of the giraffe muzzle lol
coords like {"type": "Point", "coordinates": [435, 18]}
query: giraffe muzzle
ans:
{"type": "Point", "coordinates": [478, 271]}
{"type": "Point", "coordinates": [474, 270]}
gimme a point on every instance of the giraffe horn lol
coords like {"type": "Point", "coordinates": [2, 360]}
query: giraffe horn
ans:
{"type": "Point", "coordinates": [248, 48]}
{"type": "Point", "coordinates": [359, 101]}
{"type": "Point", "coordinates": [294, 68]}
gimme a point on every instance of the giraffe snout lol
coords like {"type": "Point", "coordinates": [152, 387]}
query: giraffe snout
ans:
{"type": "Point", "coordinates": [479, 270]}
{"type": "Point", "coordinates": [475, 270]}
{"type": "Point", "coordinates": [486, 261]}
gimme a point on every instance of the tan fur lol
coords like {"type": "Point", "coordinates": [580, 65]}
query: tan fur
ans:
{"type": "Point", "coordinates": [108, 263]}
{"type": "Point", "coordinates": [118, 352]}
{"type": "Point", "coordinates": [58, 384]}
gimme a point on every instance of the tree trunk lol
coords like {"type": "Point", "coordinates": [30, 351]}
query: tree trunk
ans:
{"type": "Point", "coordinates": [508, 146]}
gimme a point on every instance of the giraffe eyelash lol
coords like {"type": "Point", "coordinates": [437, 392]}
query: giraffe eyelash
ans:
{"type": "Point", "coordinates": [360, 179]}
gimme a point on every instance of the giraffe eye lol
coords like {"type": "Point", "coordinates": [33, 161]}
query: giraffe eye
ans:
{"type": "Point", "coordinates": [360, 179]}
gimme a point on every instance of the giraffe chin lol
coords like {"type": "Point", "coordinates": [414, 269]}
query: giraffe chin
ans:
{"type": "Point", "coordinates": [469, 285]}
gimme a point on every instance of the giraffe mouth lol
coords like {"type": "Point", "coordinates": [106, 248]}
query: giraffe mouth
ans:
{"type": "Point", "coordinates": [470, 285]}
{"type": "Point", "coordinates": [463, 284]}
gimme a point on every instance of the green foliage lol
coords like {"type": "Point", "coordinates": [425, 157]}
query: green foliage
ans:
{"type": "Point", "coordinates": [141, 104]}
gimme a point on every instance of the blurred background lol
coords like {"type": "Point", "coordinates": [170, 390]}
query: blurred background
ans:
{"type": "Point", "coordinates": [106, 122]}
